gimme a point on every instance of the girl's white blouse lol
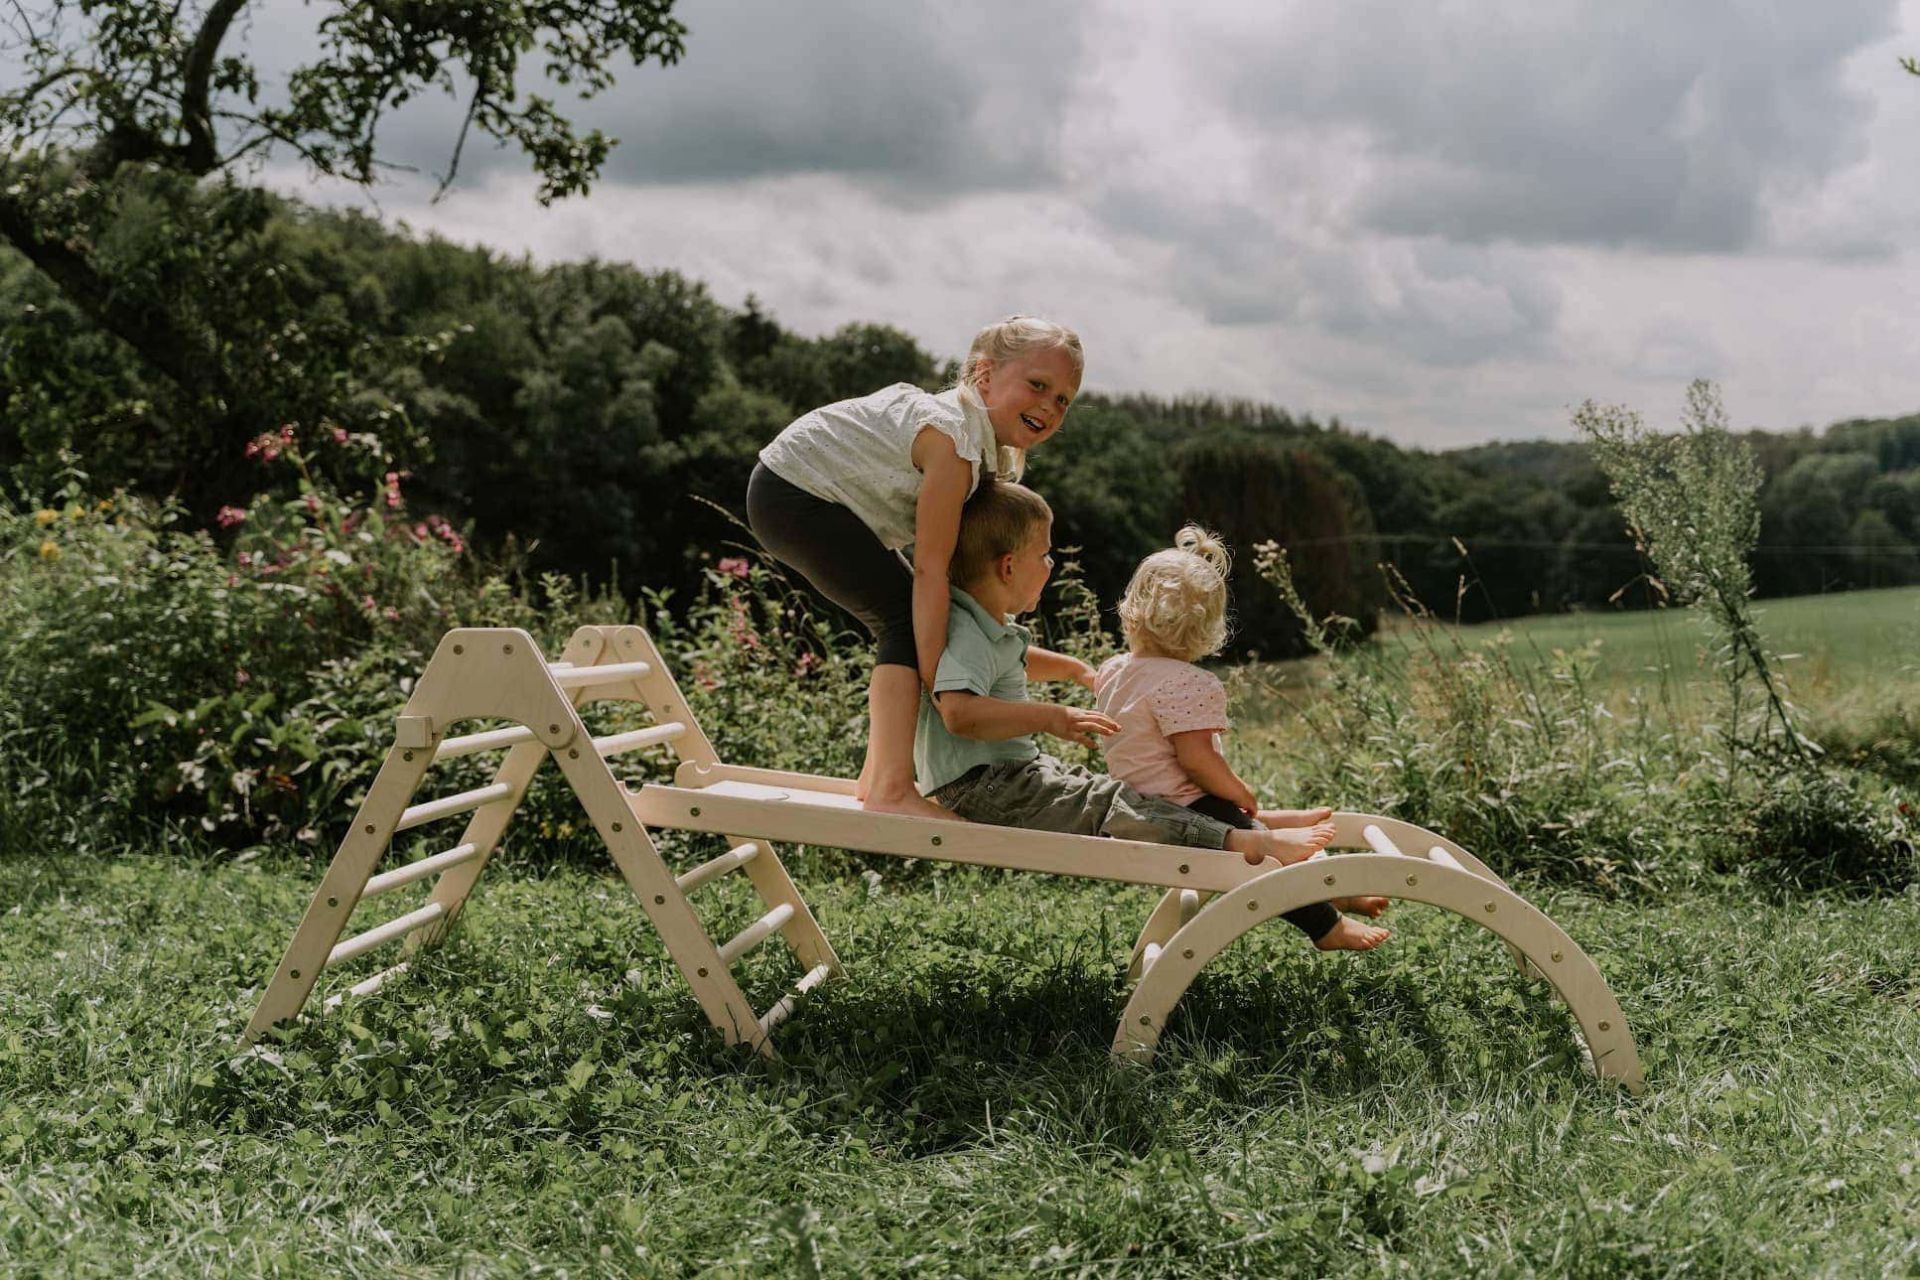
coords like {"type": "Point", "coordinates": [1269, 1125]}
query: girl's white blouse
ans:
{"type": "Point", "coordinates": [859, 453]}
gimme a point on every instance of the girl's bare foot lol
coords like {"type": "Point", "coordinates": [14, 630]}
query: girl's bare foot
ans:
{"type": "Point", "coordinates": [1285, 845]}
{"type": "Point", "coordinates": [1370, 907]}
{"type": "Point", "coordinates": [1294, 817]}
{"type": "Point", "coordinates": [1351, 935]}
{"type": "Point", "coordinates": [910, 803]}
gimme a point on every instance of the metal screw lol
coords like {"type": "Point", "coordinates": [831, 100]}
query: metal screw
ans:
{"type": "Point", "coordinates": [369, 828]}
{"type": "Point", "coordinates": [1145, 1021]}
{"type": "Point", "coordinates": [406, 755]}
{"type": "Point", "coordinates": [1412, 880]}
{"type": "Point", "coordinates": [1183, 868]}
{"type": "Point", "coordinates": [617, 827]}
{"type": "Point", "coordinates": [1253, 906]}
{"type": "Point", "coordinates": [1328, 880]}
{"type": "Point", "coordinates": [506, 648]}
{"type": "Point", "coordinates": [573, 753]}
{"type": "Point", "coordinates": [1556, 957]}
{"type": "Point", "coordinates": [1188, 953]}
{"type": "Point", "coordinates": [1606, 1026]}
{"type": "Point", "coordinates": [1489, 908]}
{"type": "Point", "coordinates": [659, 898]}
{"type": "Point", "coordinates": [936, 840]}
{"type": "Point", "coordinates": [333, 902]}
{"type": "Point", "coordinates": [553, 728]}
{"type": "Point", "coordinates": [695, 811]}
{"type": "Point", "coordinates": [293, 973]}
{"type": "Point", "coordinates": [701, 972]}
{"type": "Point", "coordinates": [459, 648]}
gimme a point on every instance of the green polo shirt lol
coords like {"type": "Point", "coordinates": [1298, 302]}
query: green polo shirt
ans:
{"type": "Point", "coordinates": [984, 655]}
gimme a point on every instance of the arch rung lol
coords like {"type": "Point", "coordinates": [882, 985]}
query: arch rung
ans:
{"type": "Point", "coordinates": [778, 1013]}
{"type": "Point", "coordinates": [1380, 841]}
{"type": "Point", "coordinates": [1151, 954]}
{"type": "Point", "coordinates": [738, 856]}
{"type": "Point", "coordinates": [1189, 904]}
{"type": "Point", "coordinates": [447, 806]}
{"type": "Point", "coordinates": [394, 928]}
{"type": "Point", "coordinates": [756, 933]}
{"type": "Point", "coordinates": [473, 743]}
{"type": "Point", "coordinates": [609, 673]}
{"type": "Point", "coordinates": [388, 881]}
{"type": "Point", "coordinates": [616, 743]}
{"type": "Point", "coordinates": [367, 987]}
{"type": "Point", "coordinates": [1445, 859]}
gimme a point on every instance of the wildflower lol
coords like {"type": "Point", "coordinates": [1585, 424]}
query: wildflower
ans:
{"type": "Point", "coordinates": [49, 551]}
{"type": "Point", "coordinates": [286, 433]}
{"type": "Point", "coordinates": [390, 613]}
{"type": "Point", "coordinates": [420, 533]}
{"type": "Point", "coordinates": [76, 512]}
{"type": "Point", "coordinates": [313, 503]}
{"type": "Point", "coordinates": [804, 667]}
{"type": "Point", "coordinates": [339, 435]}
{"type": "Point", "coordinates": [105, 504]}
{"type": "Point", "coordinates": [244, 559]}
{"type": "Point", "coordinates": [267, 446]}
{"type": "Point", "coordinates": [44, 517]}
{"type": "Point", "coordinates": [393, 490]}
{"type": "Point", "coordinates": [369, 604]}
{"type": "Point", "coordinates": [240, 676]}
{"type": "Point", "coordinates": [229, 517]}
{"type": "Point", "coordinates": [734, 565]}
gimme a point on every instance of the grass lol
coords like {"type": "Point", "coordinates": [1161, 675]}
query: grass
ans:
{"type": "Point", "coordinates": [541, 1097]}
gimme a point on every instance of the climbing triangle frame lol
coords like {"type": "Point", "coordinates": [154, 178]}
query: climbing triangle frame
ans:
{"type": "Point", "coordinates": [1212, 897]}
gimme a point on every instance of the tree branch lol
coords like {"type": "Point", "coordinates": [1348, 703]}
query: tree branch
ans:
{"type": "Point", "coordinates": [199, 154]}
{"type": "Point", "coordinates": [459, 144]}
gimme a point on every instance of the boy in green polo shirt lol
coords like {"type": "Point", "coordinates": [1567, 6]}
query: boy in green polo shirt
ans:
{"type": "Point", "coordinates": [973, 748]}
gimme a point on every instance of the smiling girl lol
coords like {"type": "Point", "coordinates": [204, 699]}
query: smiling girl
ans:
{"type": "Point", "coordinates": [843, 489]}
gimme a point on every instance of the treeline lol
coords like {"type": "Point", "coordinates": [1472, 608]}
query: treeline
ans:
{"type": "Point", "coordinates": [607, 418]}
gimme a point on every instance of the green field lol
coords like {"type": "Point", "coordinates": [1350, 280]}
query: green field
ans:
{"type": "Point", "coordinates": [541, 1096]}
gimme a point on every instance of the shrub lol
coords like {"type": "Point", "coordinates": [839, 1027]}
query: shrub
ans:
{"type": "Point", "coordinates": [1821, 829]}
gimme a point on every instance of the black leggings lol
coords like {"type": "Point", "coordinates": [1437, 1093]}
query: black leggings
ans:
{"type": "Point", "coordinates": [1314, 920]}
{"type": "Point", "coordinates": [835, 550]}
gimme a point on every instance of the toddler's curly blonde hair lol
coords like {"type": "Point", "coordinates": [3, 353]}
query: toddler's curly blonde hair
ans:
{"type": "Point", "coordinates": [1176, 604]}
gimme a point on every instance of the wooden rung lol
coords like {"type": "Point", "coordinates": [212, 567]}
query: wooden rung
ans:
{"type": "Point", "coordinates": [1147, 957]}
{"type": "Point", "coordinates": [447, 806]}
{"type": "Point", "coordinates": [1445, 859]}
{"type": "Point", "coordinates": [368, 987]}
{"type": "Point", "coordinates": [388, 881]}
{"type": "Point", "coordinates": [778, 1014]}
{"type": "Point", "coordinates": [756, 933]}
{"type": "Point", "coordinates": [1189, 904]}
{"type": "Point", "coordinates": [614, 744]}
{"type": "Point", "coordinates": [1378, 839]}
{"type": "Point", "coordinates": [610, 673]}
{"type": "Point", "coordinates": [491, 740]}
{"type": "Point", "coordinates": [738, 856]}
{"type": "Point", "coordinates": [397, 927]}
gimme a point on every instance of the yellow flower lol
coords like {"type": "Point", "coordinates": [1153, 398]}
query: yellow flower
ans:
{"type": "Point", "coordinates": [49, 551]}
{"type": "Point", "coordinates": [105, 504]}
{"type": "Point", "coordinates": [76, 512]}
{"type": "Point", "coordinates": [43, 517]}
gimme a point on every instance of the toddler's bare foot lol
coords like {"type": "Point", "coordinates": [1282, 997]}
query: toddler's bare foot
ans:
{"type": "Point", "coordinates": [863, 785]}
{"type": "Point", "coordinates": [1351, 935]}
{"type": "Point", "coordinates": [1370, 907]}
{"type": "Point", "coordinates": [1286, 845]}
{"type": "Point", "coordinates": [910, 803]}
{"type": "Point", "coordinates": [1293, 817]}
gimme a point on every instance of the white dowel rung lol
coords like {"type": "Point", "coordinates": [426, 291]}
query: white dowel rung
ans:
{"type": "Point", "coordinates": [387, 932]}
{"type": "Point", "coordinates": [491, 740]}
{"type": "Point", "coordinates": [738, 856]}
{"type": "Point", "coordinates": [367, 987]}
{"type": "Point", "coordinates": [1445, 859]}
{"type": "Point", "coordinates": [447, 806]}
{"type": "Point", "coordinates": [1189, 904]}
{"type": "Point", "coordinates": [1378, 839]}
{"type": "Point", "coordinates": [614, 744]}
{"type": "Point", "coordinates": [388, 881]}
{"type": "Point", "coordinates": [785, 1005]}
{"type": "Point", "coordinates": [1148, 957]}
{"type": "Point", "coordinates": [756, 933]}
{"type": "Point", "coordinates": [610, 673]}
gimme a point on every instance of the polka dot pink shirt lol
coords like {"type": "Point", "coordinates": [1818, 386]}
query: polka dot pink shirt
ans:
{"type": "Point", "coordinates": [1151, 699]}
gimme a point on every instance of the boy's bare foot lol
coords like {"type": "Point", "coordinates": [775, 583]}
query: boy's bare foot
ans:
{"type": "Point", "coordinates": [1286, 845]}
{"type": "Point", "coordinates": [910, 803]}
{"type": "Point", "coordinates": [1370, 907]}
{"type": "Point", "coordinates": [1351, 935]}
{"type": "Point", "coordinates": [1293, 817]}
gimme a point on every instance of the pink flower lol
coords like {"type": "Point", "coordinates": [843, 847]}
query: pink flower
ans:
{"type": "Point", "coordinates": [244, 559]}
{"type": "Point", "coordinates": [393, 490]}
{"type": "Point", "coordinates": [369, 604]}
{"type": "Point", "coordinates": [339, 435]}
{"type": "Point", "coordinates": [266, 446]}
{"type": "Point", "coordinates": [240, 676]}
{"type": "Point", "coordinates": [419, 533]}
{"type": "Point", "coordinates": [230, 516]}
{"type": "Point", "coordinates": [313, 503]}
{"type": "Point", "coordinates": [735, 566]}
{"type": "Point", "coordinates": [390, 613]}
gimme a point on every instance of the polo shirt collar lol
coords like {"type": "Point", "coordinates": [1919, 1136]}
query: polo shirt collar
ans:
{"type": "Point", "coordinates": [996, 628]}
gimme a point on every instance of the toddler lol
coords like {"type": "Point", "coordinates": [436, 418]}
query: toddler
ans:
{"type": "Point", "coordinates": [973, 745]}
{"type": "Point", "coordinates": [842, 489]}
{"type": "Point", "coordinates": [1170, 713]}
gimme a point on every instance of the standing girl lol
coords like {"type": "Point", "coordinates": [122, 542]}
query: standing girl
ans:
{"type": "Point", "coordinates": [1171, 712]}
{"type": "Point", "coordinates": [844, 488]}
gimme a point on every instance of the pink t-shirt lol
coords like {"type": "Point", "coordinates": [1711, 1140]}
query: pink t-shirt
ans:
{"type": "Point", "coordinates": [1151, 699]}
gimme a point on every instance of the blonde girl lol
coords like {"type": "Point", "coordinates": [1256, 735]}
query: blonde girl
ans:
{"type": "Point", "coordinates": [1171, 714]}
{"type": "Point", "coordinates": [842, 490]}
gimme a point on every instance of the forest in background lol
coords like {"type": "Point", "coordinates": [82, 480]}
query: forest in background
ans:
{"type": "Point", "coordinates": [606, 418]}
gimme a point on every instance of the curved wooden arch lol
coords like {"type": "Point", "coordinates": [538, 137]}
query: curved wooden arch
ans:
{"type": "Point", "coordinates": [1171, 912]}
{"type": "Point", "coordinates": [1481, 899]}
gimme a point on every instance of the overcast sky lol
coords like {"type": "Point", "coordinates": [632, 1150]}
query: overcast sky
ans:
{"type": "Point", "coordinates": [1443, 222]}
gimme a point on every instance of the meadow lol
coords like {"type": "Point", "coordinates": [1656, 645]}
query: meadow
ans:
{"type": "Point", "coordinates": [541, 1096]}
